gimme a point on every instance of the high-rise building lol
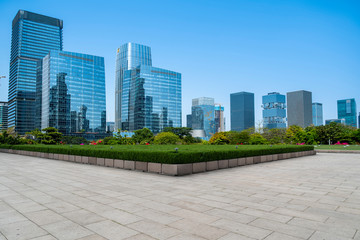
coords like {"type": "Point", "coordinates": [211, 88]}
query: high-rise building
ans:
{"type": "Point", "coordinates": [3, 116]}
{"type": "Point", "coordinates": [328, 121]}
{"type": "Point", "coordinates": [203, 115]}
{"type": "Point", "coordinates": [274, 112]}
{"type": "Point", "coordinates": [299, 108]}
{"type": "Point", "coordinates": [145, 96]}
{"type": "Point", "coordinates": [317, 113]}
{"type": "Point", "coordinates": [33, 35]}
{"type": "Point", "coordinates": [188, 121]}
{"type": "Point", "coordinates": [347, 110]}
{"type": "Point", "coordinates": [242, 114]}
{"type": "Point", "coordinates": [73, 93]}
{"type": "Point", "coordinates": [129, 56]}
{"type": "Point", "coordinates": [219, 118]}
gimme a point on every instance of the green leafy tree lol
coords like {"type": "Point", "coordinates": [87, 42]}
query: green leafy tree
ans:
{"type": "Point", "coordinates": [166, 138]}
{"type": "Point", "coordinates": [219, 138]}
{"type": "Point", "coordinates": [8, 137]}
{"type": "Point", "coordinates": [238, 137]}
{"type": "Point", "coordinates": [142, 135]}
{"type": "Point", "coordinates": [257, 139]}
{"type": "Point", "coordinates": [356, 136]}
{"type": "Point", "coordinates": [181, 132]}
{"type": "Point", "coordinates": [51, 136]}
{"type": "Point", "coordinates": [275, 135]}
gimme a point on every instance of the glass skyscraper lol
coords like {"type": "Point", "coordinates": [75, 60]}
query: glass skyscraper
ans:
{"type": "Point", "coordinates": [203, 115]}
{"type": "Point", "coordinates": [73, 93]}
{"type": "Point", "coordinates": [299, 108]}
{"type": "Point", "coordinates": [242, 114]}
{"type": "Point", "coordinates": [317, 111]}
{"type": "Point", "coordinates": [274, 112]}
{"type": "Point", "coordinates": [145, 96]}
{"type": "Point", "coordinates": [3, 116]}
{"type": "Point", "coordinates": [33, 35]}
{"type": "Point", "coordinates": [347, 110]}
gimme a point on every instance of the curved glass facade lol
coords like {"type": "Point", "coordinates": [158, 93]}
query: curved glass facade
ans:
{"type": "Point", "coordinates": [145, 96]}
{"type": "Point", "coordinates": [73, 93]}
{"type": "Point", "coordinates": [33, 35]}
{"type": "Point", "coordinates": [128, 57]}
{"type": "Point", "coordinates": [151, 98]}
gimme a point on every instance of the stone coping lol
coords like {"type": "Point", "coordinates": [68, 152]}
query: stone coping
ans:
{"type": "Point", "coordinates": [162, 168]}
{"type": "Point", "coordinates": [337, 151]}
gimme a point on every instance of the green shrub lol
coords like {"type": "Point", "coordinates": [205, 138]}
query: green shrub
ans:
{"type": "Point", "coordinates": [163, 153]}
{"type": "Point", "coordinates": [257, 139]}
{"type": "Point", "coordinates": [219, 138]}
{"type": "Point", "coordinates": [238, 137]}
{"type": "Point", "coordinates": [166, 138]}
{"type": "Point", "coordinates": [142, 135]}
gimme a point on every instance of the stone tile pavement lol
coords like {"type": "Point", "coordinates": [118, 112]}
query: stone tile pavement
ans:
{"type": "Point", "coordinates": [314, 197]}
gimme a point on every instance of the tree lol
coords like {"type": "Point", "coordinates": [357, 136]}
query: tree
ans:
{"type": "Point", "coordinates": [275, 135]}
{"type": "Point", "coordinates": [257, 139]}
{"type": "Point", "coordinates": [238, 137]}
{"type": "Point", "coordinates": [166, 138]}
{"type": "Point", "coordinates": [181, 132]}
{"type": "Point", "coordinates": [219, 138]}
{"type": "Point", "coordinates": [51, 136]}
{"type": "Point", "coordinates": [142, 135]}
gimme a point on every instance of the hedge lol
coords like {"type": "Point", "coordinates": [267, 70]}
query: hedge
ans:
{"type": "Point", "coordinates": [164, 154]}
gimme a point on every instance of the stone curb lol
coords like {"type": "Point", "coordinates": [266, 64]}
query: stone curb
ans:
{"type": "Point", "coordinates": [338, 151]}
{"type": "Point", "coordinates": [170, 169]}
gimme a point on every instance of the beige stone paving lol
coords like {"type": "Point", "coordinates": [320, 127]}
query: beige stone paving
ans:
{"type": "Point", "coordinates": [314, 197]}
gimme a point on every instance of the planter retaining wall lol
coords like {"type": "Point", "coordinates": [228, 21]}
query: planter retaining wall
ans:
{"type": "Point", "coordinates": [160, 168]}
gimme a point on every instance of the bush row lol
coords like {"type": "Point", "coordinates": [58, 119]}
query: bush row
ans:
{"type": "Point", "coordinates": [161, 156]}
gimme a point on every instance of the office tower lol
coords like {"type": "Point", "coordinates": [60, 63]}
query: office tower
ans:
{"type": "Point", "coordinates": [274, 112]}
{"type": "Point", "coordinates": [33, 35]}
{"type": "Point", "coordinates": [203, 115]}
{"type": "Point", "coordinates": [188, 121]}
{"type": "Point", "coordinates": [299, 108]}
{"type": "Point", "coordinates": [242, 114]}
{"type": "Point", "coordinates": [145, 96]}
{"type": "Point", "coordinates": [317, 113]}
{"type": "Point", "coordinates": [129, 56]}
{"type": "Point", "coordinates": [328, 121]}
{"type": "Point", "coordinates": [347, 110]}
{"type": "Point", "coordinates": [3, 116]}
{"type": "Point", "coordinates": [219, 118]}
{"type": "Point", "coordinates": [73, 93]}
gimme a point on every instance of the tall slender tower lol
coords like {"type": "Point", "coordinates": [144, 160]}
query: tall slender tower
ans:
{"type": "Point", "coordinates": [129, 56]}
{"type": "Point", "coordinates": [33, 35]}
{"type": "Point", "coordinates": [145, 96]}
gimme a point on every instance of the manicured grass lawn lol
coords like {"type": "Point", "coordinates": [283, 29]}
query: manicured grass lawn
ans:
{"type": "Point", "coordinates": [164, 153]}
{"type": "Point", "coordinates": [338, 147]}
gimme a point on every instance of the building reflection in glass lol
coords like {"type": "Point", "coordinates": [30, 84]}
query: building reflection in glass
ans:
{"type": "Point", "coordinates": [145, 96]}
{"type": "Point", "coordinates": [73, 93]}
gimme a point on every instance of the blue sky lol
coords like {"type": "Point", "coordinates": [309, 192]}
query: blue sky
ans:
{"type": "Point", "coordinates": [220, 47]}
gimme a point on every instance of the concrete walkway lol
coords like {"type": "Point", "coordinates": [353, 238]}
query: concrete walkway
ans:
{"type": "Point", "coordinates": [315, 197]}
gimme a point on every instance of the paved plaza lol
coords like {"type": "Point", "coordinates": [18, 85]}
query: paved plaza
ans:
{"type": "Point", "coordinates": [314, 197]}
